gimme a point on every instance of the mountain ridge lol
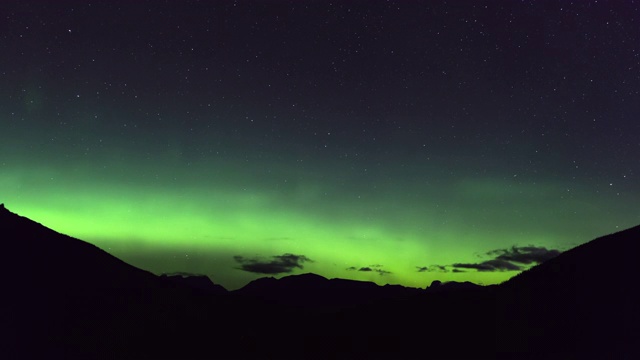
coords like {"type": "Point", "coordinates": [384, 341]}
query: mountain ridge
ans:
{"type": "Point", "coordinates": [71, 292]}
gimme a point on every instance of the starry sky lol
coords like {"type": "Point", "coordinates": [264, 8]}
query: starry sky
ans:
{"type": "Point", "coordinates": [390, 141]}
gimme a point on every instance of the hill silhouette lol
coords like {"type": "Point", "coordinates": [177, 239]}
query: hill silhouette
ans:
{"type": "Point", "coordinates": [319, 293]}
{"type": "Point", "coordinates": [70, 299]}
{"type": "Point", "coordinates": [201, 283]}
{"type": "Point", "coordinates": [587, 295]}
{"type": "Point", "coordinates": [64, 292]}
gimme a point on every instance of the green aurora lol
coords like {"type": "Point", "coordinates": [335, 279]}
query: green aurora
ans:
{"type": "Point", "coordinates": [385, 135]}
{"type": "Point", "coordinates": [198, 222]}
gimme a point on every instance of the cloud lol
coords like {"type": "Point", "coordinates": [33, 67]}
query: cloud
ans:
{"type": "Point", "coordinates": [277, 265]}
{"type": "Point", "coordinates": [182, 273]}
{"type": "Point", "coordinates": [371, 268]}
{"type": "Point", "coordinates": [433, 268]}
{"type": "Point", "coordinates": [510, 259]}
{"type": "Point", "coordinates": [525, 254]}
{"type": "Point", "coordinates": [382, 272]}
{"type": "Point", "coordinates": [488, 265]}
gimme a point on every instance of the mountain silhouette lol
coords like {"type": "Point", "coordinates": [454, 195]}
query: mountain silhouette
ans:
{"type": "Point", "coordinates": [586, 297]}
{"type": "Point", "coordinates": [317, 292]}
{"type": "Point", "coordinates": [70, 299]}
{"type": "Point", "coordinates": [48, 260]}
{"type": "Point", "coordinates": [438, 286]}
{"type": "Point", "coordinates": [66, 298]}
{"type": "Point", "coordinates": [200, 283]}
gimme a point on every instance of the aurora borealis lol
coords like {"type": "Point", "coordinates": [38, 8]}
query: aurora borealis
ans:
{"type": "Point", "coordinates": [195, 136]}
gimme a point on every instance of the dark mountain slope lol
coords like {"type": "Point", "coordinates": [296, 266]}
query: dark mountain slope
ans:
{"type": "Point", "coordinates": [45, 260]}
{"type": "Point", "coordinates": [585, 298]}
{"type": "Point", "coordinates": [607, 262]}
{"type": "Point", "coordinates": [583, 303]}
{"type": "Point", "coordinates": [69, 299]}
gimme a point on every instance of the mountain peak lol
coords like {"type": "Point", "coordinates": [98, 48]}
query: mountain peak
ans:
{"type": "Point", "coordinates": [4, 212]}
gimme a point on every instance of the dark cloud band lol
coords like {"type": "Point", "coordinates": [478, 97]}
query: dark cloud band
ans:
{"type": "Point", "coordinates": [371, 268]}
{"type": "Point", "coordinates": [278, 264]}
{"type": "Point", "coordinates": [510, 259]}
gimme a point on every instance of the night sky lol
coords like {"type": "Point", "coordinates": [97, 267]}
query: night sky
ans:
{"type": "Point", "coordinates": [392, 141]}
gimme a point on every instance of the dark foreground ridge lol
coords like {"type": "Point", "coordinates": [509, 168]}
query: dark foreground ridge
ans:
{"type": "Point", "coordinates": [66, 298]}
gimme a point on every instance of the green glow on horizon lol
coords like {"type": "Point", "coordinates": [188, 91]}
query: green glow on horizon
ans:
{"type": "Point", "coordinates": [192, 222]}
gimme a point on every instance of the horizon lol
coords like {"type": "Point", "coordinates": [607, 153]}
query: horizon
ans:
{"type": "Point", "coordinates": [394, 142]}
{"type": "Point", "coordinates": [528, 256]}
